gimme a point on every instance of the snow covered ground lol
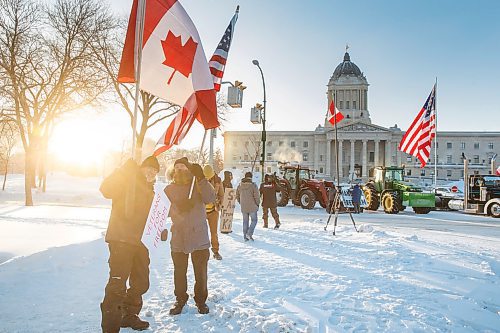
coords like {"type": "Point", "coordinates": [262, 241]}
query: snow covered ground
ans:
{"type": "Point", "coordinates": [403, 273]}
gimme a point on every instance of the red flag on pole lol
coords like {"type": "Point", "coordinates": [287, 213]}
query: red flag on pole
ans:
{"type": "Point", "coordinates": [173, 66]}
{"type": "Point", "coordinates": [334, 115]}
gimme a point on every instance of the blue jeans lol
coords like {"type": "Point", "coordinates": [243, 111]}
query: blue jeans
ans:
{"type": "Point", "coordinates": [249, 230]}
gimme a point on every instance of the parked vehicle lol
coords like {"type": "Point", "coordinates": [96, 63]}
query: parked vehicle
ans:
{"type": "Point", "coordinates": [482, 195]}
{"type": "Point", "coordinates": [445, 194]}
{"type": "Point", "coordinates": [390, 190]}
{"type": "Point", "coordinates": [298, 184]}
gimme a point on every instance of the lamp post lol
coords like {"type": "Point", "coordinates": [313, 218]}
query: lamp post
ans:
{"type": "Point", "coordinates": [263, 117]}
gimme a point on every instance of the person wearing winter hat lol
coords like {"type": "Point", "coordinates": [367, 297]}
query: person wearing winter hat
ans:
{"type": "Point", "coordinates": [247, 195]}
{"type": "Point", "coordinates": [128, 257]}
{"type": "Point", "coordinates": [213, 208]}
{"type": "Point", "coordinates": [189, 232]}
{"type": "Point", "coordinates": [228, 177]}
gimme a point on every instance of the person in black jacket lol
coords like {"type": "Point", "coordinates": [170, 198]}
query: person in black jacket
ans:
{"type": "Point", "coordinates": [128, 257]}
{"type": "Point", "coordinates": [268, 190]}
{"type": "Point", "coordinates": [228, 177]}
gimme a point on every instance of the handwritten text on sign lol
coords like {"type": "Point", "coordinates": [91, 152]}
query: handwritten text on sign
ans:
{"type": "Point", "coordinates": [226, 217]}
{"type": "Point", "coordinates": [156, 219]}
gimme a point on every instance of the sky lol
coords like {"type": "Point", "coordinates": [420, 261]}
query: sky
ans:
{"type": "Point", "coordinates": [401, 46]}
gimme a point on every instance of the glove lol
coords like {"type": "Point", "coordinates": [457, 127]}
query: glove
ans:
{"type": "Point", "coordinates": [185, 205]}
{"type": "Point", "coordinates": [164, 235]}
{"type": "Point", "coordinates": [197, 171]}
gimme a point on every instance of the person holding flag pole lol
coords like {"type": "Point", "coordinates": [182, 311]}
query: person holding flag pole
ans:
{"type": "Point", "coordinates": [162, 55]}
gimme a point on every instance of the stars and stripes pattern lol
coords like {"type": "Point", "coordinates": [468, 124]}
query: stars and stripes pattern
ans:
{"type": "Point", "coordinates": [417, 139]}
{"type": "Point", "coordinates": [218, 61]}
{"type": "Point", "coordinates": [334, 115]}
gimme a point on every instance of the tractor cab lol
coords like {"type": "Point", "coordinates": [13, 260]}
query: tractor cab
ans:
{"type": "Point", "coordinates": [387, 178]}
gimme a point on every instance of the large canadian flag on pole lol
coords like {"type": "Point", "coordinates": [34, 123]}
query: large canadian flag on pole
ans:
{"type": "Point", "coordinates": [173, 63]}
{"type": "Point", "coordinates": [334, 115]}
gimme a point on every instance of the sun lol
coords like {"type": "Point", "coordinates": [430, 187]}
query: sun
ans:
{"type": "Point", "coordinates": [84, 141]}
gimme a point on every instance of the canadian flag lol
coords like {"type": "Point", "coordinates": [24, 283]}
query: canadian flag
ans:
{"type": "Point", "coordinates": [334, 115]}
{"type": "Point", "coordinates": [173, 64]}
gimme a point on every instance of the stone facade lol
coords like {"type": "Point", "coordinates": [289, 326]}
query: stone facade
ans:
{"type": "Point", "coordinates": [361, 144]}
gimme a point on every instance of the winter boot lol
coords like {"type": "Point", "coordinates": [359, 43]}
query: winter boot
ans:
{"type": "Point", "coordinates": [277, 221]}
{"type": "Point", "coordinates": [217, 256]}
{"type": "Point", "coordinates": [202, 308]}
{"type": "Point", "coordinates": [111, 317]}
{"type": "Point", "coordinates": [177, 308]}
{"type": "Point", "coordinates": [134, 322]}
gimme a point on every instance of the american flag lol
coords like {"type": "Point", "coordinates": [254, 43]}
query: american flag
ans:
{"type": "Point", "coordinates": [418, 137]}
{"type": "Point", "coordinates": [218, 61]}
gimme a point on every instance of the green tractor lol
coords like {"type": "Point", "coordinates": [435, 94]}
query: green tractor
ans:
{"type": "Point", "coordinates": [390, 190]}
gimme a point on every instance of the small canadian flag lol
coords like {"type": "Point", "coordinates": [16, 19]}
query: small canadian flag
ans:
{"type": "Point", "coordinates": [334, 115]}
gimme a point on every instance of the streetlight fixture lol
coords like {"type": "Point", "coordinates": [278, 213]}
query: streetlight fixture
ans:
{"type": "Point", "coordinates": [263, 117]}
{"type": "Point", "coordinates": [234, 100]}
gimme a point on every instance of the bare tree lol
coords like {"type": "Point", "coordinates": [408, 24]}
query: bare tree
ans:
{"type": "Point", "coordinates": [8, 136]}
{"type": "Point", "coordinates": [218, 161]}
{"type": "Point", "coordinates": [47, 67]}
{"type": "Point", "coordinates": [253, 149]}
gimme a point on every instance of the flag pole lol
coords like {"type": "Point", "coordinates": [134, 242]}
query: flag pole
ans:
{"type": "Point", "coordinates": [139, 29]}
{"type": "Point", "coordinates": [139, 34]}
{"type": "Point", "coordinates": [199, 161]}
{"type": "Point", "coordinates": [435, 134]}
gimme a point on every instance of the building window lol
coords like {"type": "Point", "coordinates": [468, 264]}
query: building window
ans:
{"type": "Point", "coordinates": [371, 156]}
{"type": "Point", "coordinates": [320, 169]}
{"type": "Point", "coordinates": [321, 158]}
{"type": "Point", "coordinates": [436, 144]}
{"type": "Point", "coordinates": [257, 169]}
{"type": "Point", "coordinates": [234, 158]}
{"type": "Point", "coordinates": [348, 116]}
{"type": "Point", "coordinates": [269, 143]}
{"type": "Point", "coordinates": [354, 106]}
{"type": "Point", "coordinates": [422, 172]}
{"type": "Point", "coordinates": [449, 145]}
{"type": "Point", "coordinates": [361, 115]}
{"type": "Point", "coordinates": [408, 158]}
{"type": "Point", "coordinates": [269, 156]}
{"type": "Point", "coordinates": [462, 145]}
{"type": "Point", "coordinates": [347, 104]}
{"type": "Point", "coordinates": [462, 173]}
{"type": "Point", "coordinates": [305, 144]}
{"type": "Point", "coordinates": [490, 146]}
{"type": "Point", "coordinates": [269, 170]}
{"type": "Point", "coordinates": [305, 156]}
{"type": "Point", "coordinates": [281, 143]}
{"type": "Point", "coordinates": [408, 172]}
{"type": "Point", "coordinates": [476, 145]}
{"type": "Point", "coordinates": [476, 159]}
{"type": "Point", "coordinates": [292, 144]}
{"type": "Point", "coordinates": [448, 159]}
{"type": "Point", "coordinates": [341, 104]}
{"type": "Point", "coordinates": [448, 173]}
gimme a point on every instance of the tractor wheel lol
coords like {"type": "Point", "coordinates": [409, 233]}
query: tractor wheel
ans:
{"type": "Point", "coordinates": [494, 210]}
{"type": "Point", "coordinates": [390, 203]}
{"type": "Point", "coordinates": [371, 197]}
{"type": "Point", "coordinates": [282, 198]}
{"type": "Point", "coordinates": [422, 210]}
{"type": "Point", "coordinates": [307, 199]}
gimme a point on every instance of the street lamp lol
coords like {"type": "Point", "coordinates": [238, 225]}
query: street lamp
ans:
{"type": "Point", "coordinates": [263, 116]}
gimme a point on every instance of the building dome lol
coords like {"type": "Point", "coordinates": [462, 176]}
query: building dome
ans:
{"type": "Point", "coordinates": [347, 68]}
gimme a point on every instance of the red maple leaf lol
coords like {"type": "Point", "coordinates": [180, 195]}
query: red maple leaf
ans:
{"type": "Point", "coordinates": [177, 56]}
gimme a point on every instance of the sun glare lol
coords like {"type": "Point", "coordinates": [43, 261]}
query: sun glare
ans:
{"type": "Point", "coordinates": [82, 142]}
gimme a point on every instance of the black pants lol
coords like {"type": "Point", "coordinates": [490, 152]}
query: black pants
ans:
{"type": "Point", "coordinates": [126, 262]}
{"type": "Point", "coordinates": [356, 207]}
{"type": "Point", "coordinates": [200, 266]}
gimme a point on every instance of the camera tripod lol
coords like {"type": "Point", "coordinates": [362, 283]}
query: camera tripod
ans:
{"type": "Point", "coordinates": [335, 206]}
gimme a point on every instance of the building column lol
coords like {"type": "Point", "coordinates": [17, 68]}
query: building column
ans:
{"type": "Point", "coordinates": [388, 153]}
{"type": "Point", "coordinates": [316, 154]}
{"type": "Point", "coordinates": [351, 168]}
{"type": "Point", "coordinates": [363, 152]}
{"type": "Point", "coordinates": [328, 156]}
{"type": "Point", "coordinates": [377, 152]}
{"type": "Point", "coordinates": [398, 157]}
{"type": "Point", "coordinates": [341, 157]}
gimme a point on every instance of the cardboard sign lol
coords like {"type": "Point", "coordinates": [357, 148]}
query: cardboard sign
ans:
{"type": "Point", "coordinates": [227, 211]}
{"type": "Point", "coordinates": [157, 218]}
